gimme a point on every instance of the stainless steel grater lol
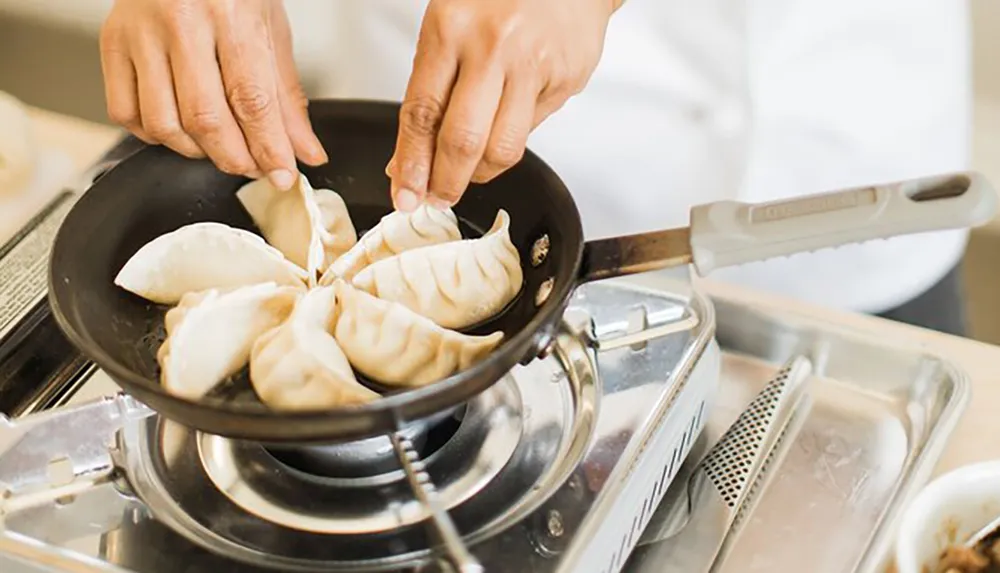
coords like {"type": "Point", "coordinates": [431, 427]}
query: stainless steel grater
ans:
{"type": "Point", "coordinates": [694, 532]}
{"type": "Point", "coordinates": [783, 443]}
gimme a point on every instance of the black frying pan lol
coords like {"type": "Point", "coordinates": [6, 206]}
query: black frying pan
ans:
{"type": "Point", "coordinates": [155, 191]}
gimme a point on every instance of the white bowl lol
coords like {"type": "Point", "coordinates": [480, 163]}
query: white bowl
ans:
{"type": "Point", "coordinates": [949, 510]}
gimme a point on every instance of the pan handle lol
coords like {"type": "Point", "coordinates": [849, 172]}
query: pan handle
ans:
{"type": "Point", "coordinates": [730, 233]}
{"type": "Point", "coordinates": [631, 254]}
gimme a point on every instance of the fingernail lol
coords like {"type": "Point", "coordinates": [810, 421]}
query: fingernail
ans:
{"type": "Point", "coordinates": [406, 200]}
{"type": "Point", "coordinates": [282, 179]}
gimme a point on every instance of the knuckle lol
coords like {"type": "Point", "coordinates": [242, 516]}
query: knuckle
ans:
{"type": "Point", "coordinates": [162, 130]}
{"type": "Point", "coordinates": [561, 92]}
{"type": "Point", "coordinates": [230, 167]}
{"type": "Point", "coordinates": [577, 86]}
{"type": "Point", "coordinates": [176, 22]}
{"type": "Point", "coordinates": [122, 115]}
{"type": "Point", "coordinates": [231, 162]}
{"type": "Point", "coordinates": [449, 19]}
{"type": "Point", "coordinates": [109, 36]}
{"type": "Point", "coordinates": [411, 173]}
{"type": "Point", "coordinates": [202, 121]}
{"type": "Point", "coordinates": [297, 96]}
{"type": "Point", "coordinates": [187, 150]}
{"type": "Point", "coordinates": [448, 193]}
{"type": "Point", "coordinates": [421, 117]}
{"type": "Point", "coordinates": [499, 32]}
{"type": "Point", "coordinates": [462, 142]}
{"type": "Point", "coordinates": [484, 173]}
{"type": "Point", "coordinates": [250, 102]}
{"type": "Point", "coordinates": [506, 151]}
{"type": "Point", "coordinates": [267, 155]}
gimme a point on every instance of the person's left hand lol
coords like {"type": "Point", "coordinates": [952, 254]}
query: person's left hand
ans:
{"type": "Point", "coordinates": [486, 73]}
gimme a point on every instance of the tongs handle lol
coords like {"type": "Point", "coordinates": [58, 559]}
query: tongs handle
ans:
{"type": "Point", "coordinates": [728, 233]}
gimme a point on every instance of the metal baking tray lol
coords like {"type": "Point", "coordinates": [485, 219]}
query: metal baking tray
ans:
{"type": "Point", "coordinates": [880, 416]}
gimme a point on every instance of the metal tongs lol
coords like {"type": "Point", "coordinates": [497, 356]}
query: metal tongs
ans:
{"type": "Point", "coordinates": [689, 537]}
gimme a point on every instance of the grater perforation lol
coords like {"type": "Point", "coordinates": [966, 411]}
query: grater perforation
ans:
{"type": "Point", "coordinates": [730, 466]}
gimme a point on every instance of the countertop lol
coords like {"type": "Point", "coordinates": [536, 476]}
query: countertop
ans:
{"type": "Point", "coordinates": [974, 439]}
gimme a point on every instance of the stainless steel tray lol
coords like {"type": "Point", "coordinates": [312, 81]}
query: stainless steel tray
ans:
{"type": "Point", "coordinates": [881, 414]}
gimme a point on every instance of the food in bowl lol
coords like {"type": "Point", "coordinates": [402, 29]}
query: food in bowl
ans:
{"type": "Point", "coordinates": [983, 558]}
{"type": "Point", "coordinates": [310, 300]}
{"type": "Point", "coordinates": [944, 515]}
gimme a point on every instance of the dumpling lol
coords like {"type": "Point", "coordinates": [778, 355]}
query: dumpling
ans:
{"type": "Point", "coordinates": [395, 233]}
{"type": "Point", "coordinates": [395, 346]}
{"type": "Point", "coordinates": [299, 366]}
{"type": "Point", "coordinates": [204, 256]}
{"type": "Point", "coordinates": [312, 228]}
{"type": "Point", "coordinates": [210, 334]}
{"type": "Point", "coordinates": [454, 284]}
{"type": "Point", "coordinates": [339, 232]}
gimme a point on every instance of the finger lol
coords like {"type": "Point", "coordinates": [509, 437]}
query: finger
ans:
{"type": "Point", "coordinates": [157, 104]}
{"type": "Point", "coordinates": [120, 90]}
{"type": "Point", "coordinates": [434, 72]}
{"type": "Point", "coordinates": [204, 111]}
{"type": "Point", "coordinates": [293, 101]}
{"type": "Point", "coordinates": [465, 130]}
{"type": "Point", "coordinates": [509, 135]}
{"type": "Point", "coordinates": [251, 89]}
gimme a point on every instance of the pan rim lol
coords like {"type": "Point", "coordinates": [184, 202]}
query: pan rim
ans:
{"type": "Point", "coordinates": [220, 417]}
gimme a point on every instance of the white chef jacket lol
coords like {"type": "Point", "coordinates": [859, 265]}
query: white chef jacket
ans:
{"type": "Point", "coordinates": [752, 100]}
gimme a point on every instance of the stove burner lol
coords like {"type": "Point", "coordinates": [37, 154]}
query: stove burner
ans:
{"type": "Point", "coordinates": [323, 508]}
{"type": "Point", "coordinates": [257, 482]}
{"type": "Point", "coordinates": [372, 459]}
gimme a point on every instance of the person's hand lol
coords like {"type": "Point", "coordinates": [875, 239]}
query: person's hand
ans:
{"type": "Point", "coordinates": [210, 77]}
{"type": "Point", "coordinates": [486, 73]}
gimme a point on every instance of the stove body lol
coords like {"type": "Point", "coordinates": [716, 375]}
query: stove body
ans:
{"type": "Point", "coordinates": [558, 467]}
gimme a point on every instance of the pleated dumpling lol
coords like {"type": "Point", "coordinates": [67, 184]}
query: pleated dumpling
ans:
{"type": "Point", "coordinates": [311, 227]}
{"type": "Point", "coordinates": [392, 345]}
{"type": "Point", "coordinates": [204, 256]}
{"type": "Point", "coordinates": [454, 284]}
{"type": "Point", "coordinates": [210, 334]}
{"type": "Point", "coordinates": [395, 233]}
{"type": "Point", "coordinates": [299, 365]}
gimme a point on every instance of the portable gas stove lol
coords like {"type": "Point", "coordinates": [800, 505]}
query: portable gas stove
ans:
{"type": "Point", "coordinates": [558, 467]}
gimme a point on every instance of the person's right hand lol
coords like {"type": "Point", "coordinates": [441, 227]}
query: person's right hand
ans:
{"type": "Point", "coordinates": [210, 77]}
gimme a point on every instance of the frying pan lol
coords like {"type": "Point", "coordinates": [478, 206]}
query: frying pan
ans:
{"type": "Point", "coordinates": [155, 191]}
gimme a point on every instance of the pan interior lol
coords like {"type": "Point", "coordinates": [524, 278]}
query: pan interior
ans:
{"type": "Point", "coordinates": [157, 191]}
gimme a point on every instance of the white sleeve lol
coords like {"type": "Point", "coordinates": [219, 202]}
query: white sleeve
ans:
{"type": "Point", "coordinates": [848, 93]}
